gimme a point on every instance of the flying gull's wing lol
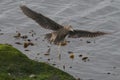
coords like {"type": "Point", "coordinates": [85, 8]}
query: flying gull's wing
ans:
{"type": "Point", "coordinates": [82, 33]}
{"type": "Point", "coordinates": [42, 20]}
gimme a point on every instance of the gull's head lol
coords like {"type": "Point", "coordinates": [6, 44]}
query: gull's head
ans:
{"type": "Point", "coordinates": [69, 28]}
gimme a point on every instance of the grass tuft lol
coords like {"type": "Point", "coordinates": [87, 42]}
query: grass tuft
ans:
{"type": "Point", "coordinates": [16, 66]}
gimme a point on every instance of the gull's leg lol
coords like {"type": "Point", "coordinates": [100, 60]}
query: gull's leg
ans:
{"type": "Point", "coordinates": [59, 55]}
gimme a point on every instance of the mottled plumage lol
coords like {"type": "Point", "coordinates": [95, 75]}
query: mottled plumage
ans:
{"type": "Point", "coordinates": [83, 33]}
{"type": "Point", "coordinates": [42, 20]}
{"type": "Point", "coordinates": [59, 32]}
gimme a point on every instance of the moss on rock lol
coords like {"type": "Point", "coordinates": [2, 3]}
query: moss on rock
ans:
{"type": "Point", "coordinates": [16, 66]}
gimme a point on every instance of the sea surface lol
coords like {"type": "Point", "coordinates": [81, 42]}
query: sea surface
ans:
{"type": "Point", "coordinates": [85, 58]}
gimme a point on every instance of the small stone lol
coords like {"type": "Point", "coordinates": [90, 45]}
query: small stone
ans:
{"type": "Point", "coordinates": [48, 59]}
{"type": "Point", "coordinates": [85, 59]}
{"type": "Point", "coordinates": [18, 43]}
{"type": "Point", "coordinates": [53, 64]}
{"type": "Point", "coordinates": [70, 52]}
{"type": "Point", "coordinates": [64, 67]}
{"type": "Point", "coordinates": [1, 33]}
{"type": "Point", "coordinates": [70, 67]}
{"type": "Point", "coordinates": [80, 55]}
{"type": "Point", "coordinates": [32, 76]}
{"type": "Point", "coordinates": [108, 73]}
{"type": "Point", "coordinates": [88, 41]}
{"type": "Point", "coordinates": [24, 37]}
{"type": "Point", "coordinates": [72, 56]}
{"type": "Point", "coordinates": [38, 53]}
{"type": "Point", "coordinates": [27, 50]}
{"type": "Point", "coordinates": [78, 79]}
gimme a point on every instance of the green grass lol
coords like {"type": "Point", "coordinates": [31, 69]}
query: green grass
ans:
{"type": "Point", "coordinates": [16, 66]}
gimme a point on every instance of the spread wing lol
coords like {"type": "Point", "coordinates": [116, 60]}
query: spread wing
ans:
{"type": "Point", "coordinates": [43, 21]}
{"type": "Point", "coordinates": [82, 33]}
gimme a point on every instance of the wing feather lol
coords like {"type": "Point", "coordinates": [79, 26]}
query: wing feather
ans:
{"type": "Point", "coordinates": [83, 33]}
{"type": "Point", "coordinates": [42, 20]}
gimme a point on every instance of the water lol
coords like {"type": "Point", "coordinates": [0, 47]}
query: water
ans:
{"type": "Point", "coordinates": [103, 52]}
